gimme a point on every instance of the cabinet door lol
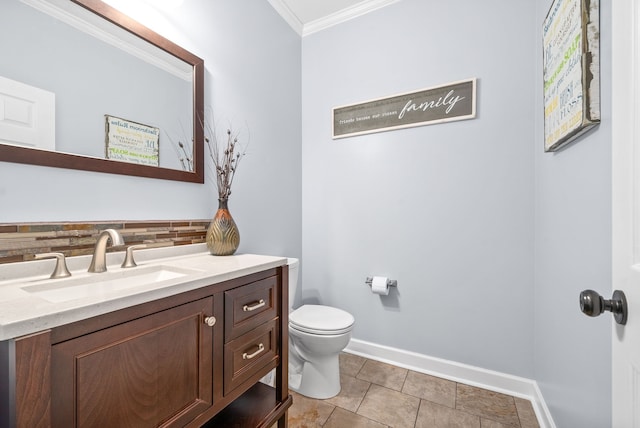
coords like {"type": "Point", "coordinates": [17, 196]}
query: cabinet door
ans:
{"type": "Point", "coordinates": [152, 371]}
{"type": "Point", "coordinates": [32, 382]}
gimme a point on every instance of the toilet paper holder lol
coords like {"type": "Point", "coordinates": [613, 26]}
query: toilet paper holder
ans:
{"type": "Point", "coordinates": [390, 282]}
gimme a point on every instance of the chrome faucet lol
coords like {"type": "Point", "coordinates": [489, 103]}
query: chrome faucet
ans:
{"type": "Point", "coordinates": [99, 260]}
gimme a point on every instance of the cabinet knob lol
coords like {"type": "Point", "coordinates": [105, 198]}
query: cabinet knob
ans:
{"type": "Point", "coordinates": [210, 321]}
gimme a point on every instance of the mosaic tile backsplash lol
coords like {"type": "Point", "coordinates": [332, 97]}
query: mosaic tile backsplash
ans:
{"type": "Point", "coordinates": [21, 241]}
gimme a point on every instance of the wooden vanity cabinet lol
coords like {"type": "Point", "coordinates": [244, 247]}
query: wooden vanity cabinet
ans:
{"type": "Point", "coordinates": [165, 363]}
{"type": "Point", "coordinates": [152, 371]}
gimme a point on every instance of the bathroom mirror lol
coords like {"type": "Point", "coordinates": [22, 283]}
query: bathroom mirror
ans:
{"type": "Point", "coordinates": [129, 74]}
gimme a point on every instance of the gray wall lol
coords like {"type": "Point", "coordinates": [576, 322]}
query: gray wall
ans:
{"type": "Point", "coordinates": [446, 209]}
{"type": "Point", "coordinates": [490, 238]}
{"type": "Point", "coordinates": [252, 58]}
{"type": "Point", "coordinates": [573, 253]}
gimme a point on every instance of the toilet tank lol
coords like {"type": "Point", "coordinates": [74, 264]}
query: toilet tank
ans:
{"type": "Point", "coordinates": [293, 280]}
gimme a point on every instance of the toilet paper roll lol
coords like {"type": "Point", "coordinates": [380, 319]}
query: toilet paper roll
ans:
{"type": "Point", "coordinates": [380, 285]}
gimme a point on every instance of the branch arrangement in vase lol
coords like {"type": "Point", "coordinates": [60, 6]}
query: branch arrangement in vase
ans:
{"type": "Point", "coordinates": [226, 156]}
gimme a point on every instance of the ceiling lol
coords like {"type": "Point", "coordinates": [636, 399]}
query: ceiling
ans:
{"type": "Point", "coordinates": [310, 16]}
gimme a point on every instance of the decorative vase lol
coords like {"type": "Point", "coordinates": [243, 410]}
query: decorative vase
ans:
{"type": "Point", "coordinates": [223, 237]}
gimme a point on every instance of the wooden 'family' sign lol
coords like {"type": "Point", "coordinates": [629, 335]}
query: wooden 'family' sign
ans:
{"type": "Point", "coordinates": [455, 101]}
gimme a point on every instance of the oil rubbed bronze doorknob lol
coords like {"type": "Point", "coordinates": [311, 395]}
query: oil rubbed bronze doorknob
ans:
{"type": "Point", "coordinates": [593, 304]}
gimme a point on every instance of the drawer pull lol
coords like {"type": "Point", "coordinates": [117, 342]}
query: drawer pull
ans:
{"type": "Point", "coordinates": [210, 321]}
{"type": "Point", "coordinates": [248, 308]}
{"type": "Point", "coordinates": [246, 356]}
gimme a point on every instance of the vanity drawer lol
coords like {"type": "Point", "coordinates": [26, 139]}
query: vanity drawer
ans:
{"type": "Point", "coordinates": [249, 306]}
{"type": "Point", "coordinates": [250, 355]}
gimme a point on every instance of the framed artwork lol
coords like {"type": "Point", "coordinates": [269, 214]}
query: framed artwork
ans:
{"type": "Point", "coordinates": [571, 71]}
{"type": "Point", "coordinates": [132, 142]}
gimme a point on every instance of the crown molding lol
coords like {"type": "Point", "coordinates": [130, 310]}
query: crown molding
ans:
{"type": "Point", "coordinates": [286, 13]}
{"type": "Point", "coordinates": [343, 15]}
{"type": "Point", "coordinates": [336, 18]}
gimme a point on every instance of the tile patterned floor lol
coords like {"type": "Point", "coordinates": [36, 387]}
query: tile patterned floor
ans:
{"type": "Point", "coordinates": [380, 395]}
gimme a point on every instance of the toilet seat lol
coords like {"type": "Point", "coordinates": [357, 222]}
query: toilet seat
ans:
{"type": "Point", "coordinates": [321, 320]}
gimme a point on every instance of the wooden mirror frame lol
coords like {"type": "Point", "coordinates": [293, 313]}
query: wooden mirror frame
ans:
{"type": "Point", "coordinates": [9, 153]}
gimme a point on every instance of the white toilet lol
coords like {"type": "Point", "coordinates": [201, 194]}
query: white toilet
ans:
{"type": "Point", "coordinates": [317, 335]}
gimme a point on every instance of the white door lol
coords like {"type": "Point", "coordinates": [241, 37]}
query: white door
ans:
{"type": "Point", "coordinates": [626, 208]}
{"type": "Point", "coordinates": [27, 115]}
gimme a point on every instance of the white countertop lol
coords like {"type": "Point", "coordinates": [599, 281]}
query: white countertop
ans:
{"type": "Point", "coordinates": [23, 312]}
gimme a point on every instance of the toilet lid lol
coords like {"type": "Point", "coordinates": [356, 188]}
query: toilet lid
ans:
{"type": "Point", "coordinates": [319, 319]}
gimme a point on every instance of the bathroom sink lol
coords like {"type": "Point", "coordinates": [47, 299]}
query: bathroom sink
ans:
{"type": "Point", "coordinates": [99, 284]}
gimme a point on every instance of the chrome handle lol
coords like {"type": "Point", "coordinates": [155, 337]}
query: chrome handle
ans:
{"type": "Point", "coordinates": [593, 304]}
{"type": "Point", "coordinates": [246, 356]}
{"type": "Point", "coordinates": [210, 321]}
{"type": "Point", "coordinates": [248, 308]}
{"type": "Point", "coordinates": [60, 271]}
{"type": "Point", "coordinates": [128, 259]}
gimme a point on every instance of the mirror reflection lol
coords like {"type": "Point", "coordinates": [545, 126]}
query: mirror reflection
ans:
{"type": "Point", "coordinates": [80, 85]}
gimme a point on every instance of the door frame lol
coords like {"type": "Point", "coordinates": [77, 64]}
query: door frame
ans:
{"type": "Point", "coordinates": [625, 94]}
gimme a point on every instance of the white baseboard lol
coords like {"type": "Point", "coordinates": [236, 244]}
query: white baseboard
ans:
{"type": "Point", "coordinates": [463, 373]}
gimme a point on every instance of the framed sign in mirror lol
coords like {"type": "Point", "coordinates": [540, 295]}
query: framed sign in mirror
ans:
{"type": "Point", "coordinates": [96, 61]}
{"type": "Point", "coordinates": [571, 71]}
